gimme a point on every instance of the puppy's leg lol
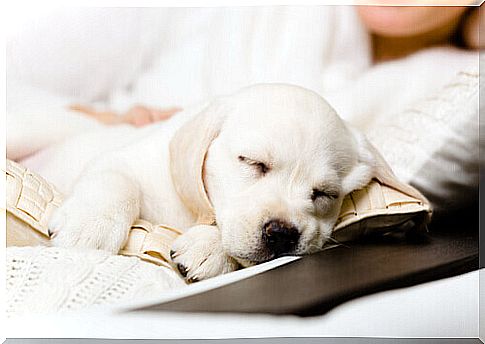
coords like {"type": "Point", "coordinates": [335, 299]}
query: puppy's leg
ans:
{"type": "Point", "coordinates": [199, 255]}
{"type": "Point", "coordinates": [98, 213]}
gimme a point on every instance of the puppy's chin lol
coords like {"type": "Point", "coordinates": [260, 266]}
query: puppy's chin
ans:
{"type": "Point", "coordinates": [249, 256]}
{"type": "Point", "coordinates": [244, 262]}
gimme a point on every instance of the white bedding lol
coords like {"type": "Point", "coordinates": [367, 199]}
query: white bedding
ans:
{"type": "Point", "coordinates": [443, 308]}
{"type": "Point", "coordinates": [45, 280]}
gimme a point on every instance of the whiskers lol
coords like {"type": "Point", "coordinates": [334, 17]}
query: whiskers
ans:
{"type": "Point", "coordinates": [332, 243]}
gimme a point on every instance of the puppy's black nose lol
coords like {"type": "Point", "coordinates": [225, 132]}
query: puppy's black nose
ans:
{"type": "Point", "coordinates": [280, 237]}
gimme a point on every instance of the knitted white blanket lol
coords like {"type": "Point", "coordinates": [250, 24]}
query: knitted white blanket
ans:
{"type": "Point", "coordinates": [51, 279]}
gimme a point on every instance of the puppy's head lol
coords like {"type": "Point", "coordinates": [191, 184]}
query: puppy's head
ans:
{"type": "Point", "coordinates": [270, 165]}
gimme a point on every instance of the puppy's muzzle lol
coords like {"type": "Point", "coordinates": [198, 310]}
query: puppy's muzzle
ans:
{"type": "Point", "coordinates": [280, 237]}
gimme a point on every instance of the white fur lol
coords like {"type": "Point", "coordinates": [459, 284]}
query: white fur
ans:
{"type": "Point", "coordinates": [114, 175]}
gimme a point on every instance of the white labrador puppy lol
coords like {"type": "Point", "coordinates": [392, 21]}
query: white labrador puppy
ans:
{"type": "Point", "coordinates": [250, 177]}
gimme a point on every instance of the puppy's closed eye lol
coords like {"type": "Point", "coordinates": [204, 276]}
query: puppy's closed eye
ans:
{"type": "Point", "coordinates": [260, 167]}
{"type": "Point", "coordinates": [323, 199]}
{"type": "Point", "coordinates": [321, 193]}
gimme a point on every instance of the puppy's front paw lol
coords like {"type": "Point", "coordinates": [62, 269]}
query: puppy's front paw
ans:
{"type": "Point", "coordinates": [76, 224]}
{"type": "Point", "coordinates": [199, 255]}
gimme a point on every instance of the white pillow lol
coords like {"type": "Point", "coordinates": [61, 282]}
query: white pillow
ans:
{"type": "Point", "coordinates": [434, 145]}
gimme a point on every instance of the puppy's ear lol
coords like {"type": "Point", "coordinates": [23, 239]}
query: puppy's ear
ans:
{"type": "Point", "coordinates": [365, 169]}
{"type": "Point", "coordinates": [188, 149]}
{"type": "Point", "coordinates": [371, 165]}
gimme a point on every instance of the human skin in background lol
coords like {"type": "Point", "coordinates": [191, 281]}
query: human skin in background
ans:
{"type": "Point", "coordinates": [137, 115]}
{"type": "Point", "coordinates": [397, 31]}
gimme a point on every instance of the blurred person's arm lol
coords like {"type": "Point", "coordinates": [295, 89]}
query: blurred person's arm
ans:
{"type": "Point", "coordinates": [75, 55]}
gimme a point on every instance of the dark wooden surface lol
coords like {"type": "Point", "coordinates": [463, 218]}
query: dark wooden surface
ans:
{"type": "Point", "coordinates": [315, 284]}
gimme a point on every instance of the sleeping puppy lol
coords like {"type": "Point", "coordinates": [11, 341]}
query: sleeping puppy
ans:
{"type": "Point", "coordinates": [252, 176]}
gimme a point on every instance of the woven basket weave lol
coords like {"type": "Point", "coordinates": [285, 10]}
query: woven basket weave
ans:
{"type": "Point", "coordinates": [31, 201]}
